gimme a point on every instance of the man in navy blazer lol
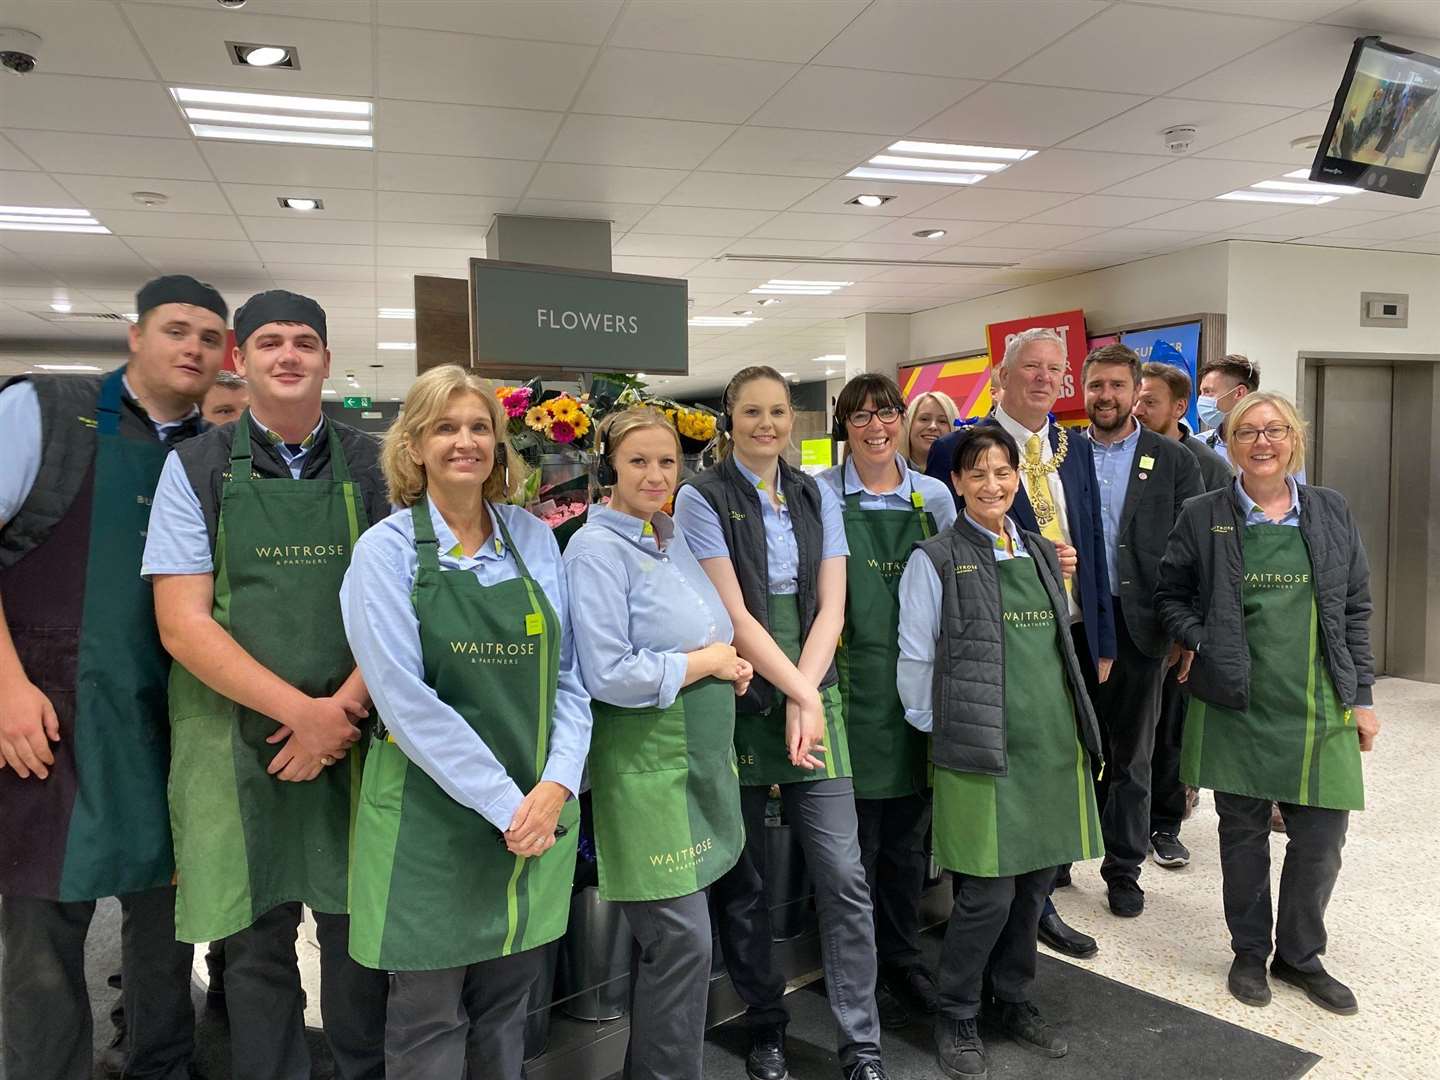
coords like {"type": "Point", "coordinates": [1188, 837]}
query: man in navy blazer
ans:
{"type": "Point", "coordinates": [1030, 377]}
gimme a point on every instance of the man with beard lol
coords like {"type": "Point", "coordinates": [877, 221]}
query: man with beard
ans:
{"type": "Point", "coordinates": [1143, 479]}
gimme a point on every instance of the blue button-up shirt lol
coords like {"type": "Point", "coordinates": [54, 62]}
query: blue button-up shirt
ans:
{"type": "Point", "coordinates": [842, 480]}
{"type": "Point", "coordinates": [920, 599]}
{"type": "Point", "coordinates": [1256, 516]}
{"type": "Point", "coordinates": [1113, 465]}
{"type": "Point", "coordinates": [384, 635]}
{"type": "Point", "coordinates": [647, 603]}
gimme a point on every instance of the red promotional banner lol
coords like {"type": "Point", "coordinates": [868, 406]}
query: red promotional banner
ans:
{"type": "Point", "coordinates": [1070, 325]}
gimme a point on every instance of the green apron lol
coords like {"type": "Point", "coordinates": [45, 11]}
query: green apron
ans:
{"type": "Point", "coordinates": [245, 841]}
{"type": "Point", "coordinates": [760, 737]}
{"type": "Point", "coordinates": [1297, 742]}
{"type": "Point", "coordinates": [891, 755]}
{"type": "Point", "coordinates": [433, 885]}
{"type": "Point", "coordinates": [1042, 812]}
{"type": "Point", "coordinates": [664, 787]}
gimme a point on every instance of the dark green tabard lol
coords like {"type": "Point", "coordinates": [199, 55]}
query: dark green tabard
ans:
{"type": "Point", "coordinates": [1042, 812]}
{"type": "Point", "coordinates": [1297, 742]}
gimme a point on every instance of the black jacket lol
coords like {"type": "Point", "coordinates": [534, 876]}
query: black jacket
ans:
{"type": "Point", "coordinates": [1215, 471]}
{"type": "Point", "coordinates": [1200, 596]}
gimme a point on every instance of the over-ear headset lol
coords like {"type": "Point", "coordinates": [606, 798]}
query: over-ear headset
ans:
{"type": "Point", "coordinates": [837, 428]}
{"type": "Point", "coordinates": [605, 474]}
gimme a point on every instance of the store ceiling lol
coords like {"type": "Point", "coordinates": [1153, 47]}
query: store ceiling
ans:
{"type": "Point", "coordinates": [699, 128]}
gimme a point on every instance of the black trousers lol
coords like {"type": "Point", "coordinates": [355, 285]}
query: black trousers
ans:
{"type": "Point", "coordinates": [1314, 837]}
{"type": "Point", "coordinates": [1128, 707]}
{"type": "Point", "coordinates": [1167, 792]}
{"type": "Point", "coordinates": [264, 1001]}
{"type": "Point", "coordinates": [993, 925]}
{"type": "Point", "coordinates": [892, 850]}
{"type": "Point", "coordinates": [49, 1033]}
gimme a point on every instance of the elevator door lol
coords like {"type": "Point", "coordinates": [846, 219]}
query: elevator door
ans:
{"type": "Point", "coordinates": [1352, 417]}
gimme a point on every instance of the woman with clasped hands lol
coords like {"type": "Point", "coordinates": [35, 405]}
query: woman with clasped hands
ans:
{"type": "Point", "coordinates": [458, 615]}
{"type": "Point", "coordinates": [1265, 584]}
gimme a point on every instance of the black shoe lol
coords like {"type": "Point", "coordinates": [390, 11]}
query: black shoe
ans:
{"type": "Point", "coordinates": [869, 1069]}
{"type": "Point", "coordinates": [1062, 878]}
{"type": "Point", "coordinates": [1065, 939]}
{"type": "Point", "coordinates": [916, 988]}
{"type": "Point", "coordinates": [893, 1013]}
{"type": "Point", "coordinates": [766, 1060]}
{"type": "Point", "coordinates": [1320, 987]}
{"type": "Point", "coordinates": [959, 1051]}
{"type": "Point", "coordinates": [1167, 850]}
{"type": "Point", "coordinates": [215, 967]}
{"type": "Point", "coordinates": [1247, 981]}
{"type": "Point", "coordinates": [1023, 1023]}
{"type": "Point", "coordinates": [1127, 899]}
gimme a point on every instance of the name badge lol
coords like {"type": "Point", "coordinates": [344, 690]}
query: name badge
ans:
{"type": "Point", "coordinates": [1147, 462]}
{"type": "Point", "coordinates": [917, 500]}
{"type": "Point", "coordinates": [534, 624]}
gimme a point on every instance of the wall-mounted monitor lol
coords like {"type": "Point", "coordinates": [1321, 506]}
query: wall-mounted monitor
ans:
{"type": "Point", "coordinates": [1384, 129]}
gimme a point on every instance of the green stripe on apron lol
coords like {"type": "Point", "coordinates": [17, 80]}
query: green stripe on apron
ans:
{"type": "Point", "coordinates": [1042, 812]}
{"type": "Point", "coordinates": [1296, 743]}
{"type": "Point", "coordinates": [434, 885]}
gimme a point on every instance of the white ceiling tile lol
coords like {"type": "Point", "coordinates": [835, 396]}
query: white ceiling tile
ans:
{"type": "Point", "coordinates": [630, 82]}
{"type": "Point", "coordinates": [680, 247]}
{"type": "Point", "coordinates": [637, 141]}
{"type": "Point", "coordinates": [161, 222]}
{"type": "Point", "coordinates": [12, 158]}
{"type": "Point", "coordinates": [166, 252]}
{"type": "Point", "coordinates": [844, 99]}
{"type": "Point", "coordinates": [262, 200]}
{"type": "Point", "coordinates": [1400, 227]}
{"type": "Point", "coordinates": [1293, 10]}
{"type": "Point", "coordinates": [77, 103]}
{"type": "Point", "coordinates": [1213, 215]}
{"type": "Point", "coordinates": [985, 203]}
{"type": "Point", "coordinates": [622, 215]}
{"type": "Point", "coordinates": [1272, 142]}
{"type": "Point", "coordinates": [310, 228]}
{"type": "Point", "coordinates": [902, 231]}
{"type": "Point", "coordinates": [1315, 219]}
{"type": "Point", "coordinates": [417, 234]}
{"type": "Point", "coordinates": [34, 189]}
{"type": "Point", "coordinates": [1196, 178]}
{"type": "Point", "coordinates": [1080, 171]}
{"type": "Point", "coordinates": [1146, 239]}
{"type": "Point", "coordinates": [835, 197]}
{"type": "Point", "coordinates": [1301, 70]}
{"type": "Point", "coordinates": [1106, 210]}
{"type": "Point", "coordinates": [786, 152]}
{"type": "Point", "coordinates": [1150, 42]}
{"type": "Point", "coordinates": [797, 226]}
{"type": "Point", "coordinates": [786, 30]}
{"type": "Point", "coordinates": [89, 39]}
{"type": "Point", "coordinates": [454, 261]}
{"type": "Point", "coordinates": [1391, 17]}
{"type": "Point", "coordinates": [1335, 240]}
{"type": "Point", "coordinates": [1139, 130]}
{"type": "Point", "coordinates": [188, 49]}
{"type": "Point", "coordinates": [1012, 114]}
{"type": "Point", "coordinates": [979, 39]}
{"type": "Point", "coordinates": [602, 183]}
{"type": "Point", "coordinates": [1026, 235]}
{"type": "Point", "coordinates": [1067, 260]}
{"type": "Point", "coordinates": [868, 249]}
{"type": "Point", "coordinates": [116, 193]}
{"type": "Point", "coordinates": [700, 221]}
{"type": "Point", "coordinates": [425, 65]}
{"type": "Point", "coordinates": [61, 151]}
{"type": "Point", "coordinates": [459, 209]}
{"type": "Point", "coordinates": [453, 175]}
{"type": "Point", "coordinates": [656, 267]}
{"type": "Point", "coordinates": [332, 254]}
{"type": "Point", "coordinates": [320, 166]}
{"type": "Point", "coordinates": [579, 22]}
{"type": "Point", "coordinates": [422, 127]}
{"type": "Point", "coordinates": [755, 245]}
{"type": "Point", "coordinates": [312, 274]}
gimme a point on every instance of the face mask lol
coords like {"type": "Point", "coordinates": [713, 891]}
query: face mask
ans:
{"type": "Point", "coordinates": [1208, 409]}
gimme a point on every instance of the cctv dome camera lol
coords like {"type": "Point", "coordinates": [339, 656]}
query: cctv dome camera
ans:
{"type": "Point", "coordinates": [18, 50]}
{"type": "Point", "coordinates": [231, 3]}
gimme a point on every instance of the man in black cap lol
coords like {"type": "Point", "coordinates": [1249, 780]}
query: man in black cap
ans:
{"type": "Point", "coordinates": [84, 738]}
{"type": "Point", "coordinates": [250, 536]}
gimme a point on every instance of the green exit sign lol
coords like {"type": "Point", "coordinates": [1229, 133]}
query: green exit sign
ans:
{"type": "Point", "coordinates": [357, 403]}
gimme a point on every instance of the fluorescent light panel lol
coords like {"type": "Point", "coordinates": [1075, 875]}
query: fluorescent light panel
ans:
{"type": "Point", "coordinates": [49, 219]}
{"type": "Point", "coordinates": [915, 162]}
{"type": "Point", "coordinates": [1277, 197]}
{"type": "Point", "coordinates": [51, 211]}
{"type": "Point", "coordinates": [273, 102]}
{"type": "Point", "coordinates": [915, 176]}
{"type": "Point", "coordinates": [395, 346]}
{"type": "Point", "coordinates": [723, 320]}
{"type": "Point", "coordinates": [1000, 153]}
{"type": "Point", "coordinates": [318, 123]}
{"type": "Point", "coordinates": [277, 118]}
{"type": "Point", "coordinates": [46, 219]}
{"type": "Point", "coordinates": [1306, 185]}
{"type": "Point", "coordinates": [68, 367]}
{"type": "Point", "coordinates": [397, 313]}
{"type": "Point", "coordinates": [831, 358]}
{"type": "Point", "coordinates": [316, 138]}
{"type": "Point", "coordinates": [923, 163]}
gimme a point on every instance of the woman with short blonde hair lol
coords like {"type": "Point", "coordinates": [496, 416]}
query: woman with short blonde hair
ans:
{"type": "Point", "coordinates": [931, 416]}
{"type": "Point", "coordinates": [1289, 416]}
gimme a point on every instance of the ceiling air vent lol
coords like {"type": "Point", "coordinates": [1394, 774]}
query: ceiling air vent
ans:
{"type": "Point", "coordinates": [81, 316]}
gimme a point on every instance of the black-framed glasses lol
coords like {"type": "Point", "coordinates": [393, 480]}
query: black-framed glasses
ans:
{"type": "Point", "coordinates": [1273, 433]}
{"type": "Point", "coordinates": [862, 417]}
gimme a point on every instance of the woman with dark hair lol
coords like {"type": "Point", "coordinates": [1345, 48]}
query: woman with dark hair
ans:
{"type": "Point", "coordinates": [987, 666]}
{"type": "Point", "coordinates": [776, 554]}
{"type": "Point", "coordinates": [887, 507]}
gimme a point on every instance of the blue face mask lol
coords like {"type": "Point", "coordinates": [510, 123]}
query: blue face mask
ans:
{"type": "Point", "coordinates": [1208, 409]}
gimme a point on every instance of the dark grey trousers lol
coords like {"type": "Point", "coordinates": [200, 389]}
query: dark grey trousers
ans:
{"type": "Point", "coordinates": [822, 813]}
{"type": "Point", "coordinates": [1167, 790]}
{"type": "Point", "coordinates": [892, 850]}
{"type": "Point", "coordinates": [49, 1034]}
{"type": "Point", "coordinates": [265, 1002]}
{"type": "Point", "coordinates": [442, 1023]}
{"type": "Point", "coordinates": [994, 924]}
{"type": "Point", "coordinates": [1314, 837]}
{"type": "Point", "coordinates": [669, 987]}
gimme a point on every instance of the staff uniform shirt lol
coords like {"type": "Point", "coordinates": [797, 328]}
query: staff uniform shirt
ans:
{"type": "Point", "coordinates": [842, 480]}
{"type": "Point", "coordinates": [1256, 516]}
{"type": "Point", "coordinates": [20, 442]}
{"type": "Point", "coordinates": [647, 603]}
{"type": "Point", "coordinates": [1113, 465]}
{"type": "Point", "coordinates": [920, 600]}
{"type": "Point", "coordinates": [178, 541]}
{"type": "Point", "coordinates": [697, 519]}
{"type": "Point", "coordinates": [384, 635]}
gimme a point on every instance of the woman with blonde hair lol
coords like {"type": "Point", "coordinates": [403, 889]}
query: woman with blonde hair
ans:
{"type": "Point", "coordinates": [656, 656]}
{"type": "Point", "coordinates": [1265, 586]}
{"type": "Point", "coordinates": [457, 611]}
{"type": "Point", "coordinates": [930, 416]}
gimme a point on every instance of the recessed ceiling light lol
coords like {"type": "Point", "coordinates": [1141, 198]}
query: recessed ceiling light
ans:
{"type": "Point", "coordinates": [249, 54]}
{"type": "Point", "coordinates": [829, 358]}
{"type": "Point", "coordinates": [277, 118]}
{"type": "Point", "coordinates": [133, 316]}
{"type": "Point", "coordinates": [999, 153]}
{"type": "Point", "coordinates": [793, 287]}
{"type": "Point", "coordinates": [397, 313]}
{"type": "Point", "coordinates": [870, 201]}
{"type": "Point", "coordinates": [929, 234]}
{"type": "Point", "coordinates": [395, 346]}
{"type": "Point", "coordinates": [64, 307]}
{"type": "Point", "coordinates": [329, 393]}
{"type": "Point", "coordinates": [300, 202]}
{"type": "Point", "coordinates": [1277, 197]}
{"type": "Point", "coordinates": [49, 219]}
{"type": "Point", "coordinates": [68, 367]}
{"type": "Point", "coordinates": [771, 300]}
{"type": "Point", "coordinates": [723, 320]}
{"type": "Point", "coordinates": [829, 371]}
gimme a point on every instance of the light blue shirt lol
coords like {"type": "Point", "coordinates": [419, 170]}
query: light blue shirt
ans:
{"type": "Point", "coordinates": [937, 500]}
{"type": "Point", "coordinates": [920, 599]}
{"type": "Point", "coordinates": [384, 636]}
{"type": "Point", "coordinates": [646, 606]}
{"type": "Point", "coordinates": [701, 526]}
{"type": "Point", "coordinates": [1113, 465]}
{"type": "Point", "coordinates": [1256, 516]}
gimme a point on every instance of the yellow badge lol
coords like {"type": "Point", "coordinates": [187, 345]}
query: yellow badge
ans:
{"type": "Point", "coordinates": [917, 500]}
{"type": "Point", "coordinates": [1146, 461]}
{"type": "Point", "coordinates": [534, 624]}
{"type": "Point", "coordinates": [648, 530]}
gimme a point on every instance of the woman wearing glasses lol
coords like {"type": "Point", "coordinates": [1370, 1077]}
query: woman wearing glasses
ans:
{"type": "Point", "coordinates": [1266, 586]}
{"type": "Point", "coordinates": [887, 508]}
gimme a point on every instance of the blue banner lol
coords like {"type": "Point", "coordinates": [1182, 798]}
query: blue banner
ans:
{"type": "Point", "coordinates": [1178, 345]}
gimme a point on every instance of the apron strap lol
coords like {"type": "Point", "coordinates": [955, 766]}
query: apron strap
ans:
{"type": "Point", "coordinates": [917, 500]}
{"type": "Point", "coordinates": [509, 544]}
{"type": "Point", "coordinates": [240, 449]}
{"type": "Point", "coordinates": [339, 467]}
{"type": "Point", "coordinates": [107, 408]}
{"type": "Point", "coordinates": [426, 546]}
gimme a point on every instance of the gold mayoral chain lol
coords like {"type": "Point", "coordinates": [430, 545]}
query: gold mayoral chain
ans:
{"type": "Point", "coordinates": [1036, 471]}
